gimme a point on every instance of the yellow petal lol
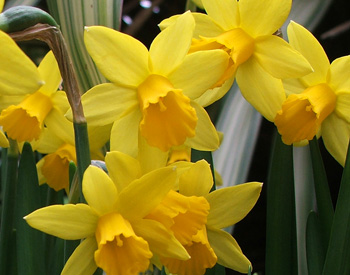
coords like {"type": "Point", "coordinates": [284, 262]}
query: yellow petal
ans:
{"type": "Point", "coordinates": [6, 101]}
{"type": "Point", "coordinates": [149, 157]}
{"type": "Point", "coordinates": [25, 121]}
{"type": "Point", "coordinates": [224, 12]}
{"type": "Point", "coordinates": [230, 205]}
{"type": "Point", "coordinates": [99, 190]}
{"type": "Point", "coordinates": [56, 167]}
{"type": "Point", "coordinates": [121, 58]}
{"type": "Point", "coordinates": [104, 103]}
{"type": "Point", "coordinates": [16, 65]}
{"type": "Point", "coordinates": [342, 108]}
{"type": "Point", "coordinates": [122, 169]}
{"type": "Point", "coordinates": [303, 41]}
{"type": "Point", "coordinates": [47, 143]}
{"type": "Point", "coordinates": [4, 143]}
{"type": "Point", "coordinates": [120, 250]}
{"type": "Point", "coordinates": [41, 177]}
{"type": "Point", "coordinates": [188, 76]}
{"type": "Point", "coordinates": [142, 195]}
{"type": "Point", "coordinates": [60, 126]}
{"type": "Point", "coordinates": [205, 25]}
{"type": "Point", "coordinates": [50, 73]}
{"type": "Point", "coordinates": [166, 52]}
{"type": "Point", "coordinates": [182, 215]}
{"type": "Point", "coordinates": [214, 94]}
{"type": "Point", "coordinates": [206, 138]}
{"type": "Point", "coordinates": [197, 180]}
{"type": "Point", "coordinates": [60, 101]}
{"type": "Point", "coordinates": [227, 250]}
{"type": "Point", "coordinates": [260, 89]}
{"type": "Point", "coordinates": [1, 4]}
{"type": "Point", "coordinates": [202, 257]}
{"type": "Point", "coordinates": [168, 117]}
{"type": "Point", "coordinates": [124, 134]}
{"type": "Point", "coordinates": [302, 114]}
{"type": "Point", "coordinates": [263, 17]}
{"type": "Point", "coordinates": [161, 241]}
{"type": "Point", "coordinates": [336, 135]}
{"type": "Point", "coordinates": [293, 86]}
{"type": "Point", "coordinates": [279, 59]}
{"type": "Point", "coordinates": [338, 77]}
{"type": "Point", "coordinates": [69, 222]}
{"type": "Point", "coordinates": [98, 137]}
{"type": "Point", "coordinates": [82, 261]}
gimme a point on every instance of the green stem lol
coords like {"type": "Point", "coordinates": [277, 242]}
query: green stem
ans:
{"type": "Point", "coordinates": [324, 202]}
{"type": "Point", "coordinates": [8, 208]}
{"type": "Point", "coordinates": [281, 248]}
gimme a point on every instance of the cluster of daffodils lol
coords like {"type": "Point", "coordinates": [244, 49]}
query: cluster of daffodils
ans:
{"type": "Point", "coordinates": [152, 206]}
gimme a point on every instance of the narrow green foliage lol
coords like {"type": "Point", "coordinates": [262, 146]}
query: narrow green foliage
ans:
{"type": "Point", "coordinates": [315, 246]}
{"type": "Point", "coordinates": [27, 201]}
{"type": "Point", "coordinates": [216, 270]}
{"type": "Point", "coordinates": [324, 202]}
{"type": "Point", "coordinates": [83, 152]}
{"type": "Point", "coordinates": [338, 252]}
{"type": "Point", "coordinates": [7, 239]}
{"type": "Point", "coordinates": [281, 248]}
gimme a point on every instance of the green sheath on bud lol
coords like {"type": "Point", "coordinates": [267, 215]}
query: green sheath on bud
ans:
{"type": "Point", "coordinates": [22, 17]}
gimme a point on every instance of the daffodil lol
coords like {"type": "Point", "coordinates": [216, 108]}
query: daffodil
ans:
{"type": "Point", "coordinates": [318, 103]}
{"type": "Point", "coordinates": [228, 206]}
{"type": "Point", "coordinates": [153, 92]}
{"type": "Point", "coordinates": [245, 30]}
{"type": "Point", "coordinates": [30, 93]}
{"type": "Point", "coordinates": [116, 237]}
{"type": "Point", "coordinates": [195, 216]}
{"type": "Point", "coordinates": [58, 143]}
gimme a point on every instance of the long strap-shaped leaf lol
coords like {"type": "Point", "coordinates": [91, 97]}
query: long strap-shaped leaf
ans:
{"type": "Point", "coordinates": [338, 253]}
{"type": "Point", "coordinates": [281, 248]}
{"type": "Point", "coordinates": [73, 16]}
{"type": "Point", "coordinates": [28, 199]}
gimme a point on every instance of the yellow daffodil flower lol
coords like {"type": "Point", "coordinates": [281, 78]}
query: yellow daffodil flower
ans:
{"type": "Point", "coordinates": [30, 92]}
{"type": "Point", "coordinates": [2, 2]}
{"type": "Point", "coordinates": [244, 29]}
{"type": "Point", "coordinates": [116, 236]}
{"type": "Point", "coordinates": [208, 214]}
{"type": "Point", "coordinates": [227, 206]}
{"type": "Point", "coordinates": [58, 143]}
{"type": "Point", "coordinates": [153, 92]}
{"type": "Point", "coordinates": [318, 102]}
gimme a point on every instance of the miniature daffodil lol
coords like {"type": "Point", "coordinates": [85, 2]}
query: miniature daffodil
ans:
{"type": "Point", "coordinates": [31, 100]}
{"type": "Point", "coordinates": [317, 103]}
{"type": "Point", "coordinates": [116, 237]}
{"type": "Point", "coordinates": [153, 92]}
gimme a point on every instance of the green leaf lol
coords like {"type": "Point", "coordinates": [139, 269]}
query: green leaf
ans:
{"type": "Point", "coordinates": [7, 239]}
{"type": "Point", "coordinates": [216, 270]}
{"type": "Point", "coordinates": [315, 246]}
{"type": "Point", "coordinates": [30, 242]}
{"type": "Point", "coordinates": [73, 16]}
{"type": "Point", "coordinates": [323, 197]}
{"type": "Point", "coordinates": [338, 252]}
{"type": "Point", "coordinates": [281, 248]}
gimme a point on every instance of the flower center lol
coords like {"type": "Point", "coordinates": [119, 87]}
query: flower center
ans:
{"type": "Point", "coordinates": [202, 256]}
{"type": "Point", "coordinates": [120, 251]}
{"type": "Point", "coordinates": [168, 117]}
{"type": "Point", "coordinates": [302, 114]}
{"type": "Point", "coordinates": [24, 121]}
{"type": "Point", "coordinates": [184, 216]}
{"type": "Point", "coordinates": [236, 42]}
{"type": "Point", "coordinates": [56, 167]}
